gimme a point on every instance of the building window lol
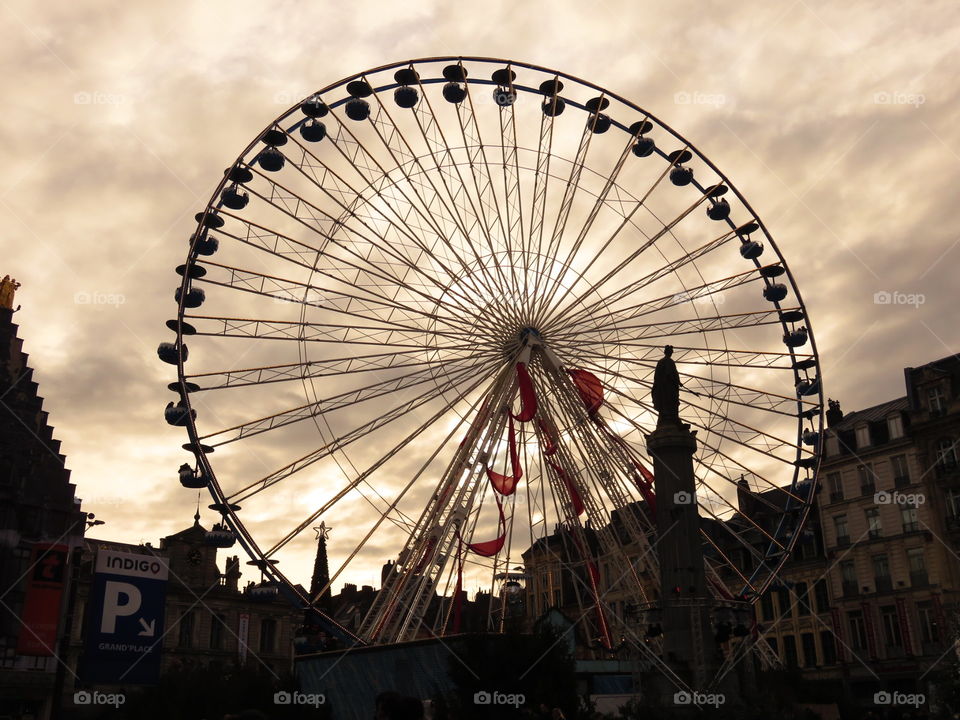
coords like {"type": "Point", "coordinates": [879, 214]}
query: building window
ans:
{"type": "Point", "coordinates": [835, 483]}
{"type": "Point", "coordinates": [848, 574]}
{"type": "Point", "coordinates": [867, 480]}
{"type": "Point", "coordinates": [899, 470]}
{"type": "Point", "coordinates": [783, 597]}
{"type": "Point", "coordinates": [766, 606]}
{"type": "Point", "coordinates": [917, 566]}
{"type": "Point", "coordinates": [772, 642]}
{"type": "Point", "coordinates": [947, 454]}
{"type": "Point", "coordinates": [840, 527]}
{"type": "Point", "coordinates": [803, 607]}
{"type": "Point", "coordinates": [895, 426]}
{"type": "Point", "coordinates": [873, 523]}
{"type": "Point", "coordinates": [790, 651]}
{"type": "Point", "coordinates": [829, 649]}
{"type": "Point", "coordinates": [809, 650]}
{"type": "Point", "coordinates": [821, 595]}
{"type": "Point", "coordinates": [863, 436]}
{"type": "Point", "coordinates": [217, 623]}
{"type": "Point", "coordinates": [928, 623]}
{"type": "Point", "coordinates": [858, 631]}
{"type": "Point", "coordinates": [909, 516]}
{"type": "Point", "coordinates": [891, 626]}
{"type": "Point", "coordinates": [268, 635]}
{"type": "Point", "coordinates": [185, 639]}
{"type": "Point", "coordinates": [936, 401]}
{"type": "Point", "coordinates": [953, 503]}
{"type": "Point", "coordinates": [881, 573]}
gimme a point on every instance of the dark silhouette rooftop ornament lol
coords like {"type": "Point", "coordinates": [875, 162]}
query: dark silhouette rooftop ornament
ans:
{"type": "Point", "coordinates": [8, 286]}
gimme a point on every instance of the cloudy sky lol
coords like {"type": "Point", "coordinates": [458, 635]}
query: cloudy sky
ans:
{"type": "Point", "coordinates": [839, 123]}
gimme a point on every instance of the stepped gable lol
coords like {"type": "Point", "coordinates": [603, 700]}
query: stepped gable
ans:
{"type": "Point", "coordinates": [31, 463]}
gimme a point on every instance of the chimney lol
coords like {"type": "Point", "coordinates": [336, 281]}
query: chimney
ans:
{"type": "Point", "coordinates": [834, 413]}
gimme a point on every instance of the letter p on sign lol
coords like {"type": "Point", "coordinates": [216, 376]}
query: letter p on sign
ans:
{"type": "Point", "coordinates": [120, 599]}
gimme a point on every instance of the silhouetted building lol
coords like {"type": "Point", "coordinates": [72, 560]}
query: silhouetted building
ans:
{"type": "Point", "coordinates": [209, 620]}
{"type": "Point", "coordinates": [40, 521]}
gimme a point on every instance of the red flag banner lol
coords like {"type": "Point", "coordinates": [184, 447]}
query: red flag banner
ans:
{"type": "Point", "coordinates": [492, 547]}
{"type": "Point", "coordinates": [589, 388]}
{"type": "Point", "coordinates": [41, 606]}
{"type": "Point", "coordinates": [507, 484]}
{"type": "Point", "coordinates": [528, 396]}
{"type": "Point", "coordinates": [549, 435]}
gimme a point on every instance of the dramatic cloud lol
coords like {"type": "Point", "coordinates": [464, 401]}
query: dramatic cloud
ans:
{"type": "Point", "coordinates": [839, 123]}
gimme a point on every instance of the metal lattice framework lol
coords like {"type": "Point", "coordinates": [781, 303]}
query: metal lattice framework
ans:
{"type": "Point", "coordinates": [435, 276]}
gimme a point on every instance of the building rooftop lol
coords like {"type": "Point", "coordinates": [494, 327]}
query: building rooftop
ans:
{"type": "Point", "coordinates": [872, 414]}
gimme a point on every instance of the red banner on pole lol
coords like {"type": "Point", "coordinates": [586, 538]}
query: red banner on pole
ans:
{"type": "Point", "coordinates": [41, 606]}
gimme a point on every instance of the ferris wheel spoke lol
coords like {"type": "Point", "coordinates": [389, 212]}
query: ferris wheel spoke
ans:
{"type": "Point", "coordinates": [699, 325]}
{"type": "Point", "coordinates": [513, 200]}
{"type": "Point", "coordinates": [708, 292]}
{"type": "Point", "coordinates": [435, 374]}
{"type": "Point", "coordinates": [570, 316]}
{"type": "Point", "coordinates": [650, 241]}
{"type": "Point", "coordinates": [422, 216]}
{"type": "Point", "coordinates": [541, 180]}
{"type": "Point", "coordinates": [427, 305]}
{"type": "Point", "coordinates": [715, 357]}
{"type": "Point", "coordinates": [328, 333]}
{"type": "Point", "coordinates": [436, 207]}
{"type": "Point", "coordinates": [293, 291]}
{"type": "Point", "coordinates": [351, 437]}
{"type": "Point", "coordinates": [306, 370]}
{"type": "Point", "coordinates": [551, 301]}
{"type": "Point", "coordinates": [390, 256]}
{"type": "Point", "coordinates": [560, 224]}
{"type": "Point", "coordinates": [451, 177]}
{"type": "Point", "coordinates": [710, 469]}
{"type": "Point", "coordinates": [365, 475]}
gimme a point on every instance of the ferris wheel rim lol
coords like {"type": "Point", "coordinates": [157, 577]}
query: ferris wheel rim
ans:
{"type": "Point", "coordinates": [247, 541]}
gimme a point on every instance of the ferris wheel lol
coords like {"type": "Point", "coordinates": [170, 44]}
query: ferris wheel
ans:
{"type": "Point", "coordinates": [425, 304]}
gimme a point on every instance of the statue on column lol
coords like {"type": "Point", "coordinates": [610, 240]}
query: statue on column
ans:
{"type": "Point", "coordinates": [666, 389]}
{"type": "Point", "coordinates": [8, 286]}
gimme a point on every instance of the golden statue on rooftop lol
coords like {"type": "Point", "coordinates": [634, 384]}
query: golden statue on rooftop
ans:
{"type": "Point", "coordinates": [8, 286]}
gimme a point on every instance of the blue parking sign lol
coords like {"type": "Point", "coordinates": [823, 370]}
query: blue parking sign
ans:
{"type": "Point", "coordinates": [124, 635]}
